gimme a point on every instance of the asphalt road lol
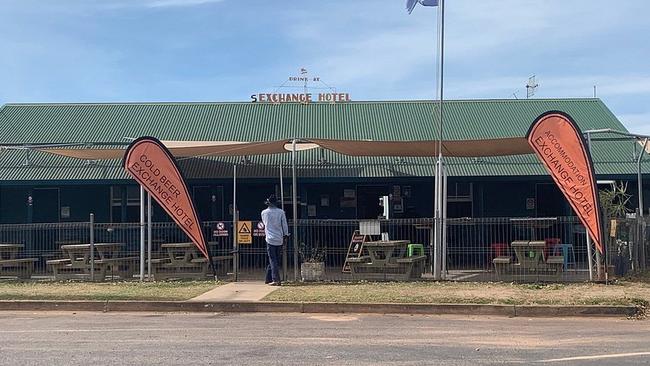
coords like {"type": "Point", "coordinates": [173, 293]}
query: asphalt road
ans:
{"type": "Point", "coordinates": [308, 339]}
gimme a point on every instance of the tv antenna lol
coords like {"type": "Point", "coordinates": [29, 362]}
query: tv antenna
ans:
{"type": "Point", "coordinates": [531, 87]}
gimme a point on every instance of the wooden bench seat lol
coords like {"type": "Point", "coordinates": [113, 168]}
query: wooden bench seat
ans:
{"type": "Point", "coordinates": [124, 267]}
{"type": "Point", "coordinates": [223, 264]}
{"type": "Point", "coordinates": [362, 259]}
{"type": "Point", "coordinates": [411, 259]}
{"type": "Point", "coordinates": [21, 267]}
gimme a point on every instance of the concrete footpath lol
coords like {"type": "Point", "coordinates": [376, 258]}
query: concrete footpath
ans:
{"type": "Point", "coordinates": [245, 297]}
{"type": "Point", "coordinates": [237, 291]}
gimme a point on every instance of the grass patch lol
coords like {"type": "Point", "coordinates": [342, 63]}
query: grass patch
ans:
{"type": "Point", "coordinates": [623, 293]}
{"type": "Point", "coordinates": [165, 290]}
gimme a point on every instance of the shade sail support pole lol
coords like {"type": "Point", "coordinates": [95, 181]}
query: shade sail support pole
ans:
{"type": "Point", "coordinates": [149, 238]}
{"type": "Point", "coordinates": [284, 247]}
{"type": "Point", "coordinates": [142, 233]}
{"type": "Point", "coordinates": [294, 193]}
{"type": "Point", "coordinates": [640, 177]}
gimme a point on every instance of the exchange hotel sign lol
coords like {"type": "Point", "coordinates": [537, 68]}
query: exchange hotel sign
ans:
{"type": "Point", "coordinates": [300, 97]}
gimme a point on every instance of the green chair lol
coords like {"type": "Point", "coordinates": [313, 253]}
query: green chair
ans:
{"type": "Point", "coordinates": [415, 249]}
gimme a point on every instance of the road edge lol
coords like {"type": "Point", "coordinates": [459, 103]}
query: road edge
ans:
{"type": "Point", "coordinates": [316, 307]}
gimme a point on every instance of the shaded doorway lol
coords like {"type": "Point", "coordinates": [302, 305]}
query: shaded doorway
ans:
{"type": "Point", "coordinates": [368, 201]}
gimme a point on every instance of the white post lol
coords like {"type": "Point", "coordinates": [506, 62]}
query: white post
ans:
{"type": "Point", "coordinates": [439, 180]}
{"type": "Point", "coordinates": [235, 218]}
{"type": "Point", "coordinates": [295, 211]}
{"type": "Point", "coordinates": [444, 222]}
{"type": "Point", "coordinates": [590, 256]}
{"type": "Point", "coordinates": [142, 233]}
{"type": "Point", "coordinates": [149, 239]}
{"type": "Point", "coordinates": [598, 264]}
{"type": "Point", "coordinates": [92, 247]}
{"type": "Point", "coordinates": [284, 247]}
{"type": "Point", "coordinates": [640, 178]}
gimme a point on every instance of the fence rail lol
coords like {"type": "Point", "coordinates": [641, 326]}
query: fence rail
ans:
{"type": "Point", "coordinates": [478, 249]}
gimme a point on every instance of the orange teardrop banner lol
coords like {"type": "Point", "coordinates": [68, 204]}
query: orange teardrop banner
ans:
{"type": "Point", "coordinates": [149, 162]}
{"type": "Point", "coordinates": [559, 144]}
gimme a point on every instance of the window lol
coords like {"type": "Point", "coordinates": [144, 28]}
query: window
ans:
{"type": "Point", "coordinates": [132, 203]}
{"type": "Point", "coordinates": [460, 200]}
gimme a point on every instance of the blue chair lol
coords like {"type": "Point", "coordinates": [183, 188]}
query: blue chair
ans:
{"type": "Point", "coordinates": [567, 249]}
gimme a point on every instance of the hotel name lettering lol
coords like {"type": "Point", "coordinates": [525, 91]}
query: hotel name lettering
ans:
{"type": "Point", "coordinates": [300, 97]}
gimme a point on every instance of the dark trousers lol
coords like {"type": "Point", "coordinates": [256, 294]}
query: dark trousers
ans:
{"type": "Point", "coordinates": [273, 269]}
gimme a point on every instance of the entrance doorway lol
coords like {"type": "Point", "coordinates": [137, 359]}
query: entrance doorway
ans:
{"type": "Point", "coordinates": [45, 206]}
{"type": "Point", "coordinates": [208, 201]}
{"type": "Point", "coordinates": [368, 201]}
{"type": "Point", "coordinates": [550, 202]}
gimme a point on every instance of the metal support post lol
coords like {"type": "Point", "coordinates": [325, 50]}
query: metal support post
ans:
{"type": "Point", "coordinates": [142, 233]}
{"type": "Point", "coordinates": [235, 218]}
{"type": "Point", "coordinates": [92, 247]}
{"type": "Point", "coordinates": [284, 247]}
{"type": "Point", "coordinates": [640, 177]}
{"type": "Point", "coordinates": [590, 256]}
{"type": "Point", "coordinates": [444, 223]}
{"type": "Point", "coordinates": [295, 211]}
{"type": "Point", "coordinates": [149, 239]}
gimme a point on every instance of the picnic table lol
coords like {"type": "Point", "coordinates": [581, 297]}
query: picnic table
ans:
{"type": "Point", "coordinates": [10, 265]}
{"type": "Point", "coordinates": [182, 260]}
{"type": "Point", "coordinates": [387, 260]}
{"type": "Point", "coordinates": [530, 260]}
{"type": "Point", "coordinates": [107, 261]}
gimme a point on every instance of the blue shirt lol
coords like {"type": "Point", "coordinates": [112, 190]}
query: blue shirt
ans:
{"type": "Point", "coordinates": [275, 225]}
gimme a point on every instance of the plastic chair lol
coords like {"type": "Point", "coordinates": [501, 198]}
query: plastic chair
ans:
{"type": "Point", "coordinates": [566, 250]}
{"type": "Point", "coordinates": [415, 249]}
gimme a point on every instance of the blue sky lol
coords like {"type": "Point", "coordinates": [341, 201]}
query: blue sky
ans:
{"type": "Point", "coordinates": [226, 50]}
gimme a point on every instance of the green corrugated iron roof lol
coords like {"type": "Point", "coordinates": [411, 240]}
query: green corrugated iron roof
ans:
{"type": "Point", "coordinates": [408, 120]}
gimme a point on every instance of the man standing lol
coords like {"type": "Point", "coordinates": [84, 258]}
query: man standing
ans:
{"type": "Point", "coordinates": [276, 230]}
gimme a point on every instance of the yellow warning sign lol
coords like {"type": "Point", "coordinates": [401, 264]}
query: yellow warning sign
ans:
{"type": "Point", "coordinates": [244, 232]}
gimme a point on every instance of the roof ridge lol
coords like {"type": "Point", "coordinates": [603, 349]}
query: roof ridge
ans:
{"type": "Point", "coordinates": [414, 101]}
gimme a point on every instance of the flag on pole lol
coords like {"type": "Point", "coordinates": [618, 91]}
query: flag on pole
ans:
{"type": "Point", "coordinates": [410, 4]}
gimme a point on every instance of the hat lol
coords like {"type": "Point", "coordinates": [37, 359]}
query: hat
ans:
{"type": "Point", "coordinates": [272, 200]}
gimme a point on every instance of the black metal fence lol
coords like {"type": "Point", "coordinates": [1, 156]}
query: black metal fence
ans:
{"type": "Point", "coordinates": [480, 249]}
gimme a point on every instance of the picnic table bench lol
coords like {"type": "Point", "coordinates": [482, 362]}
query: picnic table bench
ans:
{"type": "Point", "coordinates": [10, 265]}
{"type": "Point", "coordinates": [107, 261]}
{"type": "Point", "coordinates": [183, 260]}
{"type": "Point", "coordinates": [387, 260]}
{"type": "Point", "coordinates": [530, 260]}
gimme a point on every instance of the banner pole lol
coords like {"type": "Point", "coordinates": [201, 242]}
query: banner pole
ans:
{"type": "Point", "coordinates": [141, 233]}
{"type": "Point", "coordinates": [149, 239]}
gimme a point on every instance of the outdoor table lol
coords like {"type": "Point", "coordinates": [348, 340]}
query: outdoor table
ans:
{"type": "Point", "coordinates": [183, 261]}
{"type": "Point", "coordinates": [383, 252]}
{"type": "Point", "coordinates": [387, 260]}
{"type": "Point", "coordinates": [529, 254]}
{"type": "Point", "coordinates": [9, 251]}
{"type": "Point", "coordinates": [78, 262]}
{"type": "Point", "coordinates": [80, 253]}
{"type": "Point", "coordinates": [530, 261]}
{"type": "Point", "coordinates": [12, 266]}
